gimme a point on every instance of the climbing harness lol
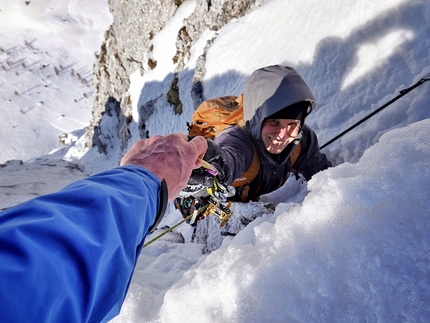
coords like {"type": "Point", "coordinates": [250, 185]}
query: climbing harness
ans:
{"type": "Point", "coordinates": [402, 93]}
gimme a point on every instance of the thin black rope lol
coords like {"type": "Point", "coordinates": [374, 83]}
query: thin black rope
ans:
{"type": "Point", "coordinates": [402, 93]}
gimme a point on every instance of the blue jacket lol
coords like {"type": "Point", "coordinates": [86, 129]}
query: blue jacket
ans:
{"type": "Point", "coordinates": [70, 256]}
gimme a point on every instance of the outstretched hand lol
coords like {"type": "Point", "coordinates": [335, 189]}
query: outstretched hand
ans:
{"type": "Point", "coordinates": [170, 157]}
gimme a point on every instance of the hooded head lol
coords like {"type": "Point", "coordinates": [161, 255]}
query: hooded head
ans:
{"type": "Point", "coordinates": [275, 91]}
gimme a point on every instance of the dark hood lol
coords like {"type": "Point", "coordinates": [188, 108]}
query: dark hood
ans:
{"type": "Point", "coordinates": [269, 90]}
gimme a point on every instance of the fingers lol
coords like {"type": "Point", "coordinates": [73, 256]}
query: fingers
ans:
{"type": "Point", "coordinates": [199, 146]}
{"type": "Point", "coordinates": [196, 147]}
{"type": "Point", "coordinates": [171, 157]}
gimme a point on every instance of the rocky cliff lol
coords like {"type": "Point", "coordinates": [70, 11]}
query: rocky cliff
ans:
{"type": "Point", "coordinates": [127, 48]}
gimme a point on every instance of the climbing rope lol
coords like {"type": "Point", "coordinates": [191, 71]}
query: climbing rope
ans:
{"type": "Point", "coordinates": [402, 93]}
{"type": "Point", "coordinates": [167, 231]}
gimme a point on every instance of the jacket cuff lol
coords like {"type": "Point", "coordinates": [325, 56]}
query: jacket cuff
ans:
{"type": "Point", "coordinates": [164, 195]}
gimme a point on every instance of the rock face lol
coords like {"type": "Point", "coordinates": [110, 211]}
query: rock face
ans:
{"type": "Point", "coordinates": [126, 42]}
{"type": "Point", "coordinates": [127, 48]}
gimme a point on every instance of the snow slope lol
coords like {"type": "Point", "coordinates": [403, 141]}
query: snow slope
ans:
{"type": "Point", "coordinates": [46, 55]}
{"type": "Point", "coordinates": [351, 251]}
{"type": "Point", "coordinates": [352, 244]}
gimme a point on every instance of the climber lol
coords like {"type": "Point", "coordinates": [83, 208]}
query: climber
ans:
{"type": "Point", "coordinates": [276, 103]}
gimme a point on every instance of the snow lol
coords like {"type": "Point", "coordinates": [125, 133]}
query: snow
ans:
{"type": "Point", "coordinates": [47, 54]}
{"type": "Point", "coordinates": [352, 244]}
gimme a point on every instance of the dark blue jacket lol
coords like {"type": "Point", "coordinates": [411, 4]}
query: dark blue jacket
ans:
{"type": "Point", "coordinates": [237, 152]}
{"type": "Point", "coordinates": [70, 256]}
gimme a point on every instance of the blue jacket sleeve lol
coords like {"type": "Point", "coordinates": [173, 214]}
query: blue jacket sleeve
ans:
{"type": "Point", "coordinates": [70, 256]}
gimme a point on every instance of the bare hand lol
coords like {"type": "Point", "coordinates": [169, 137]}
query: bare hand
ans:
{"type": "Point", "coordinates": [171, 157]}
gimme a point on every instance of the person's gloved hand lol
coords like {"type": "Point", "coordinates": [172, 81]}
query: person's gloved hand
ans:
{"type": "Point", "coordinates": [213, 152]}
{"type": "Point", "coordinates": [199, 181]}
{"type": "Point", "coordinates": [201, 176]}
{"type": "Point", "coordinates": [170, 157]}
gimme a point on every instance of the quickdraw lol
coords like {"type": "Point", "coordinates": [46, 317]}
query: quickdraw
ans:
{"type": "Point", "coordinates": [222, 212]}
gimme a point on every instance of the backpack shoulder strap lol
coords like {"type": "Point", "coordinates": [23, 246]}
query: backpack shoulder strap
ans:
{"type": "Point", "coordinates": [252, 170]}
{"type": "Point", "coordinates": [293, 158]}
{"type": "Point", "coordinates": [295, 154]}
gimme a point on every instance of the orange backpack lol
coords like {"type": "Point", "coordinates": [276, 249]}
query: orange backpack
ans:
{"type": "Point", "coordinates": [214, 115]}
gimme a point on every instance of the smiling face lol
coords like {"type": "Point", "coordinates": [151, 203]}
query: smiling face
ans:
{"type": "Point", "coordinates": [278, 133]}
